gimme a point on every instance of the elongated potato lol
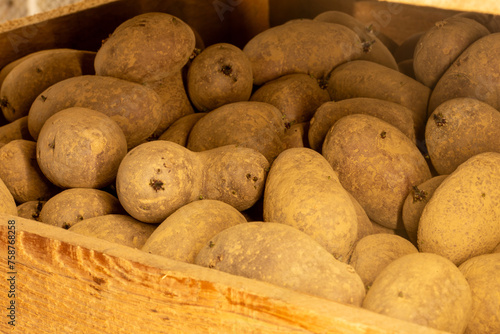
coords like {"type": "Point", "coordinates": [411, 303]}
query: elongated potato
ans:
{"type": "Point", "coordinates": [462, 217]}
{"type": "Point", "coordinates": [21, 173]}
{"type": "Point", "coordinates": [330, 112]}
{"type": "Point", "coordinates": [147, 47]}
{"type": "Point", "coordinates": [252, 124]}
{"type": "Point", "coordinates": [179, 131]}
{"type": "Point", "coordinates": [301, 46]}
{"type": "Point", "coordinates": [157, 178]}
{"type": "Point", "coordinates": [184, 233]}
{"type": "Point", "coordinates": [439, 46]}
{"type": "Point", "coordinates": [38, 72]}
{"type": "Point", "coordinates": [376, 163]}
{"type": "Point", "coordinates": [302, 190]}
{"type": "Point", "coordinates": [475, 74]}
{"type": "Point", "coordinates": [422, 288]}
{"type": "Point", "coordinates": [76, 204]}
{"type": "Point", "coordinates": [285, 256]}
{"type": "Point", "coordinates": [7, 202]}
{"type": "Point", "coordinates": [136, 108]}
{"type": "Point", "coordinates": [459, 129]}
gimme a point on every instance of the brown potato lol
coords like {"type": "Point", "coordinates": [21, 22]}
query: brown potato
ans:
{"type": "Point", "coordinates": [422, 288]}
{"type": "Point", "coordinates": [406, 49]}
{"type": "Point", "coordinates": [462, 217]}
{"type": "Point", "coordinates": [301, 46]}
{"type": "Point", "coordinates": [483, 275]}
{"type": "Point", "coordinates": [76, 204]}
{"type": "Point", "coordinates": [157, 178]}
{"type": "Point", "coordinates": [439, 46]}
{"type": "Point", "coordinates": [17, 129]}
{"type": "Point", "coordinates": [330, 112]}
{"type": "Point", "coordinates": [406, 67]}
{"type": "Point", "coordinates": [251, 124]}
{"type": "Point", "coordinates": [184, 233]}
{"type": "Point", "coordinates": [374, 252]}
{"type": "Point", "coordinates": [365, 226]}
{"type": "Point", "coordinates": [220, 74]}
{"type": "Point", "coordinates": [376, 163]}
{"type": "Point", "coordinates": [147, 47]}
{"type": "Point", "coordinates": [21, 174]}
{"type": "Point", "coordinates": [296, 135]}
{"type": "Point", "coordinates": [30, 210]}
{"type": "Point", "coordinates": [285, 256]}
{"type": "Point", "coordinates": [136, 108]}
{"type": "Point", "coordinates": [7, 202]}
{"type": "Point", "coordinates": [80, 148]}
{"type": "Point", "coordinates": [297, 96]}
{"type": "Point", "coordinates": [459, 129]}
{"type": "Point", "coordinates": [302, 190]}
{"type": "Point", "coordinates": [179, 131]}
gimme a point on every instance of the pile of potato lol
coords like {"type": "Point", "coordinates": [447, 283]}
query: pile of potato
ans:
{"type": "Point", "coordinates": [316, 157]}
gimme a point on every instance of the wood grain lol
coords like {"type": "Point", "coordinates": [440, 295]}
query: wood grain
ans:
{"type": "Point", "coordinates": [67, 283]}
{"type": "Point", "coordinates": [481, 6]}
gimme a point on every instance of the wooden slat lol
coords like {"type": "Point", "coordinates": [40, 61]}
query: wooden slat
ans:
{"type": "Point", "coordinates": [67, 283]}
{"type": "Point", "coordinates": [481, 6]}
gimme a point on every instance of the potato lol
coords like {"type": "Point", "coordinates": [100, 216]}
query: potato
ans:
{"type": "Point", "coordinates": [415, 203]}
{"type": "Point", "coordinates": [330, 112]}
{"type": "Point", "coordinates": [76, 204]}
{"type": "Point", "coordinates": [179, 131]}
{"type": "Point", "coordinates": [303, 191]}
{"type": "Point", "coordinates": [256, 125]}
{"type": "Point", "coordinates": [136, 108]}
{"type": "Point", "coordinates": [21, 174]}
{"type": "Point", "coordinates": [296, 135]}
{"type": "Point", "coordinates": [376, 163]}
{"type": "Point", "coordinates": [426, 289]}
{"type": "Point", "coordinates": [220, 74]}
{"type": "Point", "coordinates": [497, 249]}
{"type": "Point", "coordinates": [184, 233]}
{"type": "Point", "coordinates": [483, 275]}
{"type": "Point", "coordinates": [406, 49]}
{"type": "Point", "coordinates": [38, 72]}
{"type": "Point", "coordinates": [301, 46]}
{"type": "Point", "coordinates": [120, 229]}
{"type": "Point", "coordinates": [475, 74]}
{"type": "Point", "coordinates": [406, 67]}
{"type": "Point", "coordinates": [30, 210]}
{"type": "Point", "coordinates": [439, 46]}
{"type": "Point", "coordinates": [7, 202]}
{"type": "Point", "coordinates": [462, 217]}
{"type": "Point", "coordinates": [459, 129]}
{"type": "Point", "coordinates": [147, 47]}
{"type": "Point", "coordinates": [374, 252]}
{"type": "Point", "coordinates": [175, 102]}
{"type": "Point", "coordinates": [361, 78]}
{"type": "Point", "coordinates": [377, 228]}
{"type": "Point", "coordinates": [284, 256]}
{"type": "Point", "coordinates": [297, 96]}
{"type": "Point", "coordinates": [80, 148]}
{"type": "Point", "coordinates": [373, 48]}
{"type": "Point", "coordinates": [490, 21]}
{"type": "Point", "coordinates": [157, 178]}
{"type": "Point", "coordinates": [365, 226]}
{"type": "Point", "coordinates": [17, 129]}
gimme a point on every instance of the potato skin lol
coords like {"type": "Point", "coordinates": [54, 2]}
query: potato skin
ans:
{"type": "Point", "coordinates": [184, 233]}
{"type": "Point", "coordinates": [21, 173]}
{"type": "Point", "coordinates": [376, 163]}
{"type": "Point", "coordinates": [303, 191]}
{"type": "Point", "coordinates": [459, 129]}
{"type": "Point", "coordinates": [38, 72]}
{"type": "Point", "coordinates": [439, 46]}
{"type": "Point", "coordinates": [147, 47]}
{"type": "Point", "coordinates": [330, 112]}
{"type": "Point", "coordinates": [136, 108]}
{"type": "Point", "coordinates": [73, 205]}
{"type": "Point", "coordinates": [80, 148]}
{"type": "Point", "coordinates": [220, 74]}
{"type": "Point", "coordinates": [30, 210]}
{"type": "Point", "coordinates": [483, 275]}
{"type": "Point", "coordinates": [461, 219]}
{"type": "Point", "coordinates": [282, 255]}
{"type": "Point", "coordinates": [17, 129]}
{"type": "Point", "coordinates": [256, 125]}
{"type": "Point", "coordinates": [361, 78]}
{"type": "Point", "coordinates": [422, 288]}
{"type": "Point", "coordinates": [297, 96]}
{"type": "Point", "coordinates": [178, 132]}
{"type": "Point", "coordinates": [475, 74]}
{"type": "Point", "coordinates": [301, 46]}
{"type": "Point", "coordinates": [7, 202]}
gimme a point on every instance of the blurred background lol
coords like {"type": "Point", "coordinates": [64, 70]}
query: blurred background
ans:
{"type": "Point", "coordinates": [12, 9]}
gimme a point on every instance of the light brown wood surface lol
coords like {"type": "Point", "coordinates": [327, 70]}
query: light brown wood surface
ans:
{"type": "Point", "coordinates": [67, 283]}
{"type": "Point", "coordinates": [481, 6]}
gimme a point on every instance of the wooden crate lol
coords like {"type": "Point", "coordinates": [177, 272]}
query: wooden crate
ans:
{"type": "Point", "coordinates": [68, 283]}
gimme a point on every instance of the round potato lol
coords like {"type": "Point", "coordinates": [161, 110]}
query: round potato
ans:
{"type": "Point", "coordinates": [17, 129]}
{"type": "Point", "coordinates": [179, 131]}
{"type": "Point", "coordinates": [30, 210]}
{"type": "Point", "coordinates": [282, 255]}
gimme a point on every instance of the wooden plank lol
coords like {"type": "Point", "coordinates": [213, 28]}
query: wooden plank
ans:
{"type": "Point", "coordinates": [67, 283]}
{"type": "Point", "coordinates": [480, 6]}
